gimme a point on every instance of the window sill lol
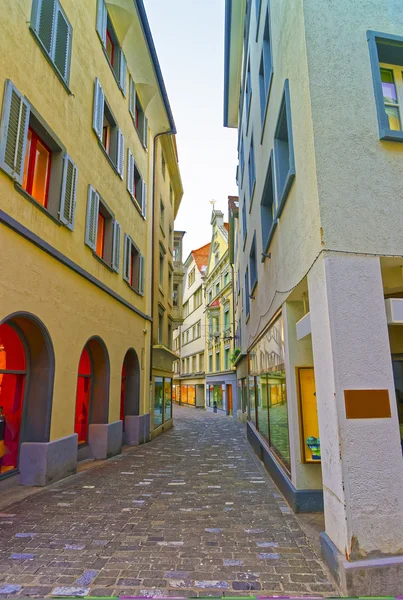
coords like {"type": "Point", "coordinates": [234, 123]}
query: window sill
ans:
{"type": "Point", "coordinates": [282, 197]}
{"type": "Point", "coordinates": [31, 199]}
{"type": "Point", "coordinates": [46, 55]}
{"type": "Point", "coordinates": [136, 205]}
{"type": "Point", "coordinates": [103, 262]}
{"type": "Point", "coordinates": [134, 289]}
{"type": "Point", "coordinates": [390, 135]}
{"type": "Point", "coordinates": [269, 239]}
{"type": "Point", "coordinates": [108, 158]}
{"type": "Point", "coordinates": [267, 106]}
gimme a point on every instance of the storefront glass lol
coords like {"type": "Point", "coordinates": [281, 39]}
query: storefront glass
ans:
{"type": "Point", "coordinates": [267, 372]}
{"type": "Point", "coordinates": [168, 398]}
{"type": "Point", "coordinates": [215, 396]}
{"type": "Point", "coordinates": [244, 396]}
{"type": "Point", "coordinates": [176, 392]}
{"type": "Point", "coordinates": [12, 358]}
{"type": "Point", "coordinates": [158, 401]}
{"type": "Point", "coordinates": [83, 397]}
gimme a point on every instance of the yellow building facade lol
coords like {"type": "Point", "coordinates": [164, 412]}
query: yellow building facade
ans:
{"type": "Point", "coordinates": [221, 390]}
{"type": "Point", "coordinates": [83, 100]}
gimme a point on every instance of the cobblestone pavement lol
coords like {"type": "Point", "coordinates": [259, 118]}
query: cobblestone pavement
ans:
{"type": "Point", "coordinates": [191, 514]}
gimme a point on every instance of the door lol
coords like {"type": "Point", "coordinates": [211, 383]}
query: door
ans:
{"type": "Point", "coordinates": [229, 399]}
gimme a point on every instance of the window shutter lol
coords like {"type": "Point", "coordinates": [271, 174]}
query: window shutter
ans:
{"type": "Point", "coordinates": [130, 172]}
{"type": "Point", "coordinates": [141, 274]}
{"type": "Point", "coordinates": [117, 234]}
{"type": "Point", "coordinates": [145, 132]}
{"type": "Point", "coordinates": [122, 71]}
{"type": "Point", "coordinates": [98, 116]}
{"type": "Point", "coordinates": [120, 158]}
{"type": "Point", "coordinates": [62, 44]}
{"type": "Point", "coordinates": [69, 191]}
{"type": "Point", "coordinates": [143, 198]}
{"type": "Point", "coordinates": [102, 18]}
{"type": "Point", "coordinates": [132, 98]}
{"type": "Point", "coordinates": [43, 21]}
{"type": "Point", "coordinates": [14, 132]}
{"type": "Point", "coordinates": [91, 228]}
{"type": "Point", "coordinates": [126, 258]}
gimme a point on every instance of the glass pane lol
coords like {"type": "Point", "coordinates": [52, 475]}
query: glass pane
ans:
{"type": "Point", "coordinates": [27, 155]}
{"type": "Point", "coordinates": [12, 355]}
{"type": "Point", "coordinates": [168, 398]}
{"type": "Point", "coordinates": [11, 400]}
{"type": "Point", "coordinates": [83, 399]}
{"type": "Point", "coordinates": [388, 86]}
{"type": "Point", "coordinates": [158, 401]}
{"type": "Point", "coordinates": [394, 117]}
{"type": "Point", "coordinates": [191, 394]}
{"type": "Point", "coordinates": [100, 236]}
{"type": "Point", "coordinates": [252, 408]}
{"type": "Point", "coordinates": [262, 408]}
{"type": "Point", "coordinates": [217, 397]}
{"type": "Point", "coordinates": [278, 415]}
{"type": "Point", "coordinates": [41, 173]}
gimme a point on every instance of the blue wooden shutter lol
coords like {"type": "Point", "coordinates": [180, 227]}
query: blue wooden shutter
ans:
{"type": "Point", "coordinates": [143, 198]}
{"type": "Point", "coordinates": [98, 115]}
{"type": "Point", "coordinates": [120, 154]}
{"type": "Point", "coordinates": [14, 132]}
{"type": "Point", "coordinates": [122, 71]}
{"type": "Point", "coordinates": [127, 258]}
{"type": "Point", "coordinates": [91, 228]}
{"type": "Point", "coordinates": [62, 45]}
{"type": "Point", "coordinates": [117, 234]}
{"type": "Point", "coordinates": [102, 19]}
{"type": "Point", "coordinates": [69, 191]}
{"type": "Point", "coordinates": [43, 22]}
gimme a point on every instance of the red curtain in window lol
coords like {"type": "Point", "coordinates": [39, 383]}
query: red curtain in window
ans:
{"type": "Point", "coordinates": [12, 358]}
{"type": "Point", "coordinates": [83, 397]}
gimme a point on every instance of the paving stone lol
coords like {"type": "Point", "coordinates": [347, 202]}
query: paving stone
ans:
{"type": "Point", "coordinates": [70, 591]}
{"type": "Point", "coordinates": [9, 589]}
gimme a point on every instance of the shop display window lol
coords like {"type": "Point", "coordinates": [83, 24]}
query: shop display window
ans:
{"type": "Point", "coordinates": [215, 396]}
{"type": "Point", "coordinates": [12, 384]}
{"type": "Point", "coordinates": [158, 401]}
{"type": "Point", "coordinates": [168, 398]}
{"type": "Point", "coordinates": [83, 397]}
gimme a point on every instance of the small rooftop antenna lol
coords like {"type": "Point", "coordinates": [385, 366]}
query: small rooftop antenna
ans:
{"type": "Point", "coordinates": [213, 203]}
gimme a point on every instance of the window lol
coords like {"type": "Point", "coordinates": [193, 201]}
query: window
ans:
{"type": "Point", "coordinates": [170, 334]}
{"type": "Point", "coordinates": [175, 296]}
{"type": "Point", "coordinates": [226, 278]}
{"type": "Point", "coordinates": [248, 94]}
{"type": "Point", "coordinates": [244, 222]}
{"type": "Point", "coordinates": [268, 208]}
{"type": "Point", "coordinates": [217, 288]}
{"type": "Point", "coordinates": [215, 396]}
{"type": "Point", "coordinates": [102, 232]}
{"type": "Point", "coordinates": [107, 130]}
{"type": "Point", "coordinates": [177, 251]}
{"type": "Point", "coordinates": [198, 334]}
{"type": "Point", "coordinates": [194, 364]}
{"type": "Point", "coordinates": [251, 170]}
{"type": "Point", "coordinates": [217, 361]}
{"type": "Point", "coordinates": [284, 151]}
{"type": "Point", "coordinates": [169, 283]}
{"type": "Point", "coordinates": [110, 43]}
{"type": "Point", "coordinates": [210, 363]}
{"type": "Point", "coordinates": [227, 323]}
{"type": "Point", "coordinates": [171, 195]}
{"type": "Point", "coordinates": [194, 332]}
{"type": "Point", "coordinates": [241, 161]}
{"type": "Point", "coordinates": [210, 296]}
{"type": "Point", "coordinates": [162, 214]}
{"type": "Point", "coordinates": [133, 266]}
{"type": "Point", "coordinates": [186, 309]}
{"type": "Point", "coordinates": [201, 361]}
{"type": "Point", "coordinates": [216, 257]}
{"type": "Point", "coordinates": [192, 277]}
{"type": "Point", "coordinates": [162, 400]}
{"type": "Point", "coordinates": [163, 165]}
{"type": "Point", "coordinates": [53, 30]}
{"type": "Point", "coordinates": [227, 365]}
{"type": "Point", "coordinates": [161, 268]}
{"type": "Point", "coordinates": [137, 113]}
{"type": "Point", "coordinates": [198, 298]}
{"type": "Point", "coordinates": [247, 298]}
{"type": "Point", "coordinates": [258, 4]}
{"type": "Point", "coordinates": [136, 185]}
{"type": "Point", "coordinates": [253, 265]}
{"type": "Point", "coordinates": [31, 156]}
{"type": "Point", "coordinates": [170, 236]}
{"type": "Point", "coordinates": [266, 69]}
{"type": "Point", "coordinates": [160, 327]}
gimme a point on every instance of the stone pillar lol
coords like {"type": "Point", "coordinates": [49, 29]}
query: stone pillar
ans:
{"type": "Point", "coordinates": [362, 465]}
{"type": "Point", "coordinates": [105, 439]}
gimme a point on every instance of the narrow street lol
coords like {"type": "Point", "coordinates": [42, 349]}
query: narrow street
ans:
{"type": "Point", "coordinates": [193, 513]}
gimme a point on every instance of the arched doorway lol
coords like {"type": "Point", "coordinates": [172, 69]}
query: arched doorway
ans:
{"type": "Point", "coordinates": [26, 386]}
{"type": "Point", "coordinates": [92, 395]}
{"type": "Point", "coordinates": [130, 388]}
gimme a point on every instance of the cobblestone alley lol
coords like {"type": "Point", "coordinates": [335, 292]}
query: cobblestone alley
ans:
{"type": "Point", "coordinates": [191, 514]}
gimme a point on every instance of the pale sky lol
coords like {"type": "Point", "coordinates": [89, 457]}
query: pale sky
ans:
{"type": "Point", "coordinates": [189, 38]}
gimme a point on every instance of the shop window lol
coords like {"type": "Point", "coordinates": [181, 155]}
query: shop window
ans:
{"type": "Point", "coordinates": [137, 113]}
{"type": "Point", "coordinates": [83, 397]}
{"type": "Point", "coordinates": [103, 232]}
{"type": "Point", "coordinates": [133, 266]}
{"type": "Point", "coordinates": [54, 33]}
{"type": "Point", "coordinates": [168, 398]}
{"type": "Point", "coordinates": [33, 157]}
{"type": "Point", "coordinates": [284, 150]}
{"type": "Point", "coordinates": [268, 208]}
{"type": "Point", "coordinates": [215, 397]}
{"type": "Point", "coordinates": [13, 372]}
{"type": "Point", "coordinates": [252, 404]}
{"type": "Point", "coordinates": [136, 185]}
{"type": "Point", "coordinates": [162, 400]}
{"type": "Point", "coordinates": [105, 126]}
{"type": "Point", "coordinates": [110, 42]}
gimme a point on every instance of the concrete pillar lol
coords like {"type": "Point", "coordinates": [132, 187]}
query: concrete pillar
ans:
{"type": "Point", "coordinates": [362, 465]}
{"type": "Point", "coordinates": [297, 354]}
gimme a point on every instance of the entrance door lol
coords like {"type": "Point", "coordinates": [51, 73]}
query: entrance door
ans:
{"type": "Point", "coordinates": [229, 399]}
{"type": "Point", "coordinates": [397, 364]}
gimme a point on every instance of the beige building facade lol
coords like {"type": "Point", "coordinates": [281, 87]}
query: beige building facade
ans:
{"type": "Point", "coordinates": [318, 264]}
